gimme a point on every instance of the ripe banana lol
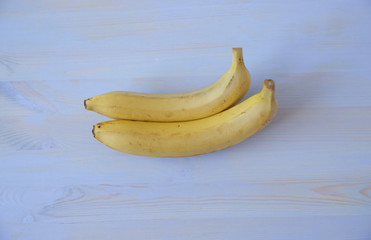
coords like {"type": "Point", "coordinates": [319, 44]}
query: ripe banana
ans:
{"type": "Point", "coordinates": [181, 139]}
{"type": "Point", "coordinates": [224, 93]}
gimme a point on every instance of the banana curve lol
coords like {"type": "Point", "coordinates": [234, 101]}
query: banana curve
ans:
{"type": "Point", "coordinates": [224, 93]}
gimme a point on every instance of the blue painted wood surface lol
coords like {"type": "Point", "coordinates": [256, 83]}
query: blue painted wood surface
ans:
{"type": "Point", "coordinates": [306, 176]}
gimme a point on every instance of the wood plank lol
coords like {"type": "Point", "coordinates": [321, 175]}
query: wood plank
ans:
{"type": "Point", "coordinates": [290, 228]}
{"type": "Point", "coordinates": [93, 203]}
{"type": "Point", "coordinates": [168, 40]}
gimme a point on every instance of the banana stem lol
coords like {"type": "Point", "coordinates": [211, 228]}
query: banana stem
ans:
{"type": "Point", "coordinates": [269, 88]}
{"type": "Point", "coordinates": [237, 56]}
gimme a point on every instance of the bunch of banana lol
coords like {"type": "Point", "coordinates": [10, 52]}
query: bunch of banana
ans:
{"type": "Point", "coordinates": [188, 124]}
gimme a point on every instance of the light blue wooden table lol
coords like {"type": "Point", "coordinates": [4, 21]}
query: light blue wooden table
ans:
{"type": "Point", "coordinates": [306, 176]}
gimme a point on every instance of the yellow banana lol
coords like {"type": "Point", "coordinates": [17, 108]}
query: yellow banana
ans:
{"type": "Point", "coordinates": [224, 93]}
{"type": "Point", "coordinates": [180, 139]}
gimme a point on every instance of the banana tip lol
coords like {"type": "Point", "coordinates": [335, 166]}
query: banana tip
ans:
{"type": "Point", "coordinates": [269, 83]}
{"type": "Point", "coordinates": [93, 131]}
{"type": "Point", "coordinates": [85, 104]}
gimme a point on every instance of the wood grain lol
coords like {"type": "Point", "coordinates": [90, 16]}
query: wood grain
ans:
{"type": "Point", "coordinates": [94, 203]}
{"type": "Point", "coordinates": [306, 176]}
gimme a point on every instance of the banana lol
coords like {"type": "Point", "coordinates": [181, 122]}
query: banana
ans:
{"type": "Point", "coordinates": [181, 139]}
{"type": "Point", "coordinates": [224, 93]}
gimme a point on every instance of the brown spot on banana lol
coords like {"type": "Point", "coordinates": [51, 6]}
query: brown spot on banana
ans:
{"type": "Point", "coordinates": [230, 83]}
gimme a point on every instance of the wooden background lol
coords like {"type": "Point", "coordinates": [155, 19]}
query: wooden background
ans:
{"type": "Point", "coordinates": [306, 176]}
